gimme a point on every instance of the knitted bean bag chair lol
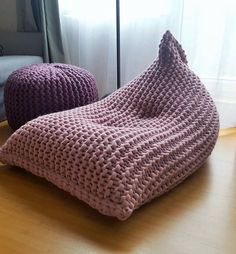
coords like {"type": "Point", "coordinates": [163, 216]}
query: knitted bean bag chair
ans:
{"type": "Point", "coordinates": [41, 89]}
{"type": "Point", "coordinates": [136, 144]}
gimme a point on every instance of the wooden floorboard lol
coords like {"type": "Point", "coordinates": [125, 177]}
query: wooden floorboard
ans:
{"type": "Point", "coordinates": [199, 216]}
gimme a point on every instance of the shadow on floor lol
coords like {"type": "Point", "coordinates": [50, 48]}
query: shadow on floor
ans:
{"type": "Point", "coordinates": [5, 132]}
{"type": "Point", "coordinates": [111, 234]}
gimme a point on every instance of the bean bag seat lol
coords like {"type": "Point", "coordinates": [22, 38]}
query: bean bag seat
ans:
{"type": "Point", "coordinates": [136, 144]}
{"type": "Point", "coordinates": [41, 89]}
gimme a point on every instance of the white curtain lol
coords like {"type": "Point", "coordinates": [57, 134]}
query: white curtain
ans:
{"type": "Point", "coordinates": [205, 28]}
{"type": "Point", "coordinates": [89, 38]}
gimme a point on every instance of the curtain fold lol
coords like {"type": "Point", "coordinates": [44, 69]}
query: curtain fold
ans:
{"type": "Point", "coordinates": [46, 14]}
{"type": "Point", "coordinates": [42, 16]}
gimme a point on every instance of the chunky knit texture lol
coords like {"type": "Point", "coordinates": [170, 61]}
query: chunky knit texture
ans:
{"type": "Point", "coordinates": [41, 89]}
{"type": "Point", "coordinates": [132, 146]}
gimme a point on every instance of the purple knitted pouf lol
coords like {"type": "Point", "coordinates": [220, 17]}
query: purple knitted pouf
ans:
{"type": "Point", "coordinates": [41, 89]}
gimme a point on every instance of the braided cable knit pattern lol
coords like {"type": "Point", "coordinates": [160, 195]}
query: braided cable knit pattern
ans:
{"type": "Point", "coordinates": [134, 145]}
{"type": "Point", "coordinates": [41, 89]}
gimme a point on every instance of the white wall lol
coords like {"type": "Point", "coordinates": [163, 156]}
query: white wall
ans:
{"type": "Point", "coordinates": [8, 20]}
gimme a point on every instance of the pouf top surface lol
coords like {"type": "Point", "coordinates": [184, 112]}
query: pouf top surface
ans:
{"type": "Point", "coordinates": [43, 74]}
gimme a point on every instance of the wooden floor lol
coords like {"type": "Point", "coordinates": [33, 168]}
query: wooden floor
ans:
{"type": "Point", "coordinates": [199, 216]}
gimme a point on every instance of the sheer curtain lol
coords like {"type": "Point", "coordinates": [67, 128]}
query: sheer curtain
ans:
{"type": "Point", "coordinates": [89, 38]}
{"type": "Point", "coordinates": [206, 30]}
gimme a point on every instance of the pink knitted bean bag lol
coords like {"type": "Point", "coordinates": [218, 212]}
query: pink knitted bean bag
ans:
{"type": "Point", "coordinates": [136, 144]}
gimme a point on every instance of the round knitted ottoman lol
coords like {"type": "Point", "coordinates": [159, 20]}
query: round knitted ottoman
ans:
{"type": "Point", "coordinates": [41, 89]}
